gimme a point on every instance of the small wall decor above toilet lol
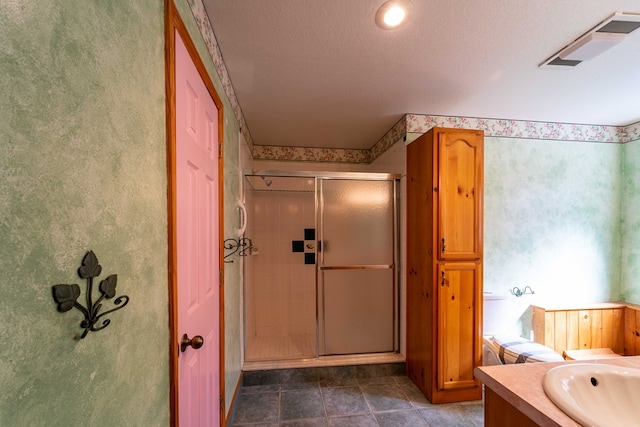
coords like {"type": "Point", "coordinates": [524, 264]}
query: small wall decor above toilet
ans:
{"type": "Point", "coordinates": [66, 296]}
{"type": "Point", "coordinates": [518, 292]}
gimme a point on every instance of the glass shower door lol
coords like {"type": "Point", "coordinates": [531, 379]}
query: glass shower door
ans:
{"type": "Point", "coordinates": [280, 280]}
{"type": "Point", "coordinates": [356, 266]}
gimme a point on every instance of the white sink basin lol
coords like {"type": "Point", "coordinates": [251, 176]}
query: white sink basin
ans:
{"type": "Point", "coordinates": [595, 394]}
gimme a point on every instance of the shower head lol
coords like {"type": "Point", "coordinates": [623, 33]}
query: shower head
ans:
{"type": "Point", "coordinates": [267, 181]}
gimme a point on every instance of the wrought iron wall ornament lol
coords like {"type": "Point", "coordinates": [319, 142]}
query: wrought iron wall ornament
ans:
{"type": "Point", "coordinates": [521, 291]}
{"type": "Point", "coordinates": [239, 246]}
{"type": "Point", "coordinates": [66, 295]}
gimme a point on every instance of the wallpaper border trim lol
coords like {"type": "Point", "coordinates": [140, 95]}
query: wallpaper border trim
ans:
{"type": "Point", "coordinates": [408, 123]}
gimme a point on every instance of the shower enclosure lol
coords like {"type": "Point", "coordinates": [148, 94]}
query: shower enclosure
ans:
{"type": "Point", "coordinates": [321, 277]}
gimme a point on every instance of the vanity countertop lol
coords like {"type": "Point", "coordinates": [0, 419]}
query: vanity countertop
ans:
{"type": "Point", "coordinates": [521, 386]}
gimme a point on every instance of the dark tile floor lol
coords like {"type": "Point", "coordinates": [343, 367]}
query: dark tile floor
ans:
{"type": "Point", "coordinates": [378, 395]}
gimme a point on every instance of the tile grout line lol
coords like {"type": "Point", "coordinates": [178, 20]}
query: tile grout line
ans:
{"type": "Point", "coordinates": [324, 405]}
{"type": "Point", "coordinates": [280, 405]}
{"type": "Point", "coordinates": [364, 395]}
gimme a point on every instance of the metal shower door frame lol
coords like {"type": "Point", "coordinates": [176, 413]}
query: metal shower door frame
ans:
{"type": "Point", "coordinates": [318, 176]}
{"type": "Point", "coordinates": [321, 268]}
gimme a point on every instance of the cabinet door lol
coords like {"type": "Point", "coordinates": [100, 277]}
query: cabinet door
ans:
{"type": "Point", "coordinates": [460, 164]}
{"type": "Point", "coordinates": [459, 324]}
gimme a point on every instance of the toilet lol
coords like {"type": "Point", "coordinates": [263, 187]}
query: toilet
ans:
{"type": "Point", "coordinates": [499, 347]}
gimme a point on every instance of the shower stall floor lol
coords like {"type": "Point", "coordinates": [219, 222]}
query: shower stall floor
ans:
{"type": "Point", "coordinates": [280, 348]}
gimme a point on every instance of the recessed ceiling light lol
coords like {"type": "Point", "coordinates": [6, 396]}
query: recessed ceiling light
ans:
{"type": "Point", "coordinates": [393, 13]}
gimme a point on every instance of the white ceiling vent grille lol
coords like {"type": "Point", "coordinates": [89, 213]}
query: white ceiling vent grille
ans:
{"type": "Point", "coordinates": [603, 36]}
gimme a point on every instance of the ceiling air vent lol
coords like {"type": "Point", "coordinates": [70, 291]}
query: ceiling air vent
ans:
{"type": "Point", "coordinates": [603, 36]}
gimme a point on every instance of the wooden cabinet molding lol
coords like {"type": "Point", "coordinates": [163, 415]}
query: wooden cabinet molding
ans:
{"type": "Point", "coordinates": [459, 177]}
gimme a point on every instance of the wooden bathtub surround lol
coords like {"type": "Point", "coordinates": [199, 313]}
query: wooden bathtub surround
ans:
{"type": "Point", "coordinates": [591, 353]}
{"type": "Point", "coordinates": [514, 395]}
{"type": "Point", "coordinates": [444, 263]}
{"type": "Point", "coordinates": [595, 326]}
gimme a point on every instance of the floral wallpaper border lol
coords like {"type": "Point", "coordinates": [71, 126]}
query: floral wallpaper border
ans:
{"type": "Point", "coordinates": [409, 123]}
{"type": "Point", "coordinates": [523, 129]}
{"type": "Point", "coordinates": [633, 132]}
{"type": "Point", "coordinates": [417, 123]}
{"type": "Point", "coordinates": [204, 25]}
{"type": "Point", "coordinates": [305, 154]}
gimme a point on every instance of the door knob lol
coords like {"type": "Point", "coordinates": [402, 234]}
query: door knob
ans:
{"type": "Point", "coordinates": [195, 342]}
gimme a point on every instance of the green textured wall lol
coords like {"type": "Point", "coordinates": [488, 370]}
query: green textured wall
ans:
{"type": "Point", "coordinates": [631, 223]}
{"type": "Point", "coordinates": [552, 221]}
{"type": "Point", "coordinates": [82, 166]}
{"type": "Point", "coordinates": [232, 270]}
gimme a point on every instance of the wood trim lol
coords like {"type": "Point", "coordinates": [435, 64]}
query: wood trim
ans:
{"type": "Point", "coordinates": [171, 208]}
{"type": "Point", "coordinates": [173, 23]}
{"type": "Point", "coordinates": [234, 399]}
{"type": "Point", "coordinates": [629, 332]}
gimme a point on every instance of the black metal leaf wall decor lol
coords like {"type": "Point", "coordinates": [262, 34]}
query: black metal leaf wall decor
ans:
{"type": "Point", "coordinates": [242, 246]}
{"type": "Point", "coordinates": [66, 296]}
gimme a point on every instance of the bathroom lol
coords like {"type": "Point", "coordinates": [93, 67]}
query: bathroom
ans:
{"type": "Point", "coordinates": [566, 251]}
{"type": "Point", "coordinates": [561, 216]}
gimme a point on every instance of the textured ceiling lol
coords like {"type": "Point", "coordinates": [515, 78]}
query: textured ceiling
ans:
{"type": "Point", "coordinates": [321, 74]}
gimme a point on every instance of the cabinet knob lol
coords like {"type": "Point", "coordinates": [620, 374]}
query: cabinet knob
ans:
{"type": "Point", "coordinates": [443, 246]}
{"type": "Point", "coordinates": [443, 281]}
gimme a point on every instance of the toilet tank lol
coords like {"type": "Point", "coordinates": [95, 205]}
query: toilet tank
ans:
{"type": "Point", "coordinates": [495, 313]}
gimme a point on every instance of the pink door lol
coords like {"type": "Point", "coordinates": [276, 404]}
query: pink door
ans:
{"type": "Point", "coordinates": [198, 250]}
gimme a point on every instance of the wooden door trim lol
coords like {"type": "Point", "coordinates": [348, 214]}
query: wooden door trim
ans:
{"type": "Point", "coordinates": [174, 23]}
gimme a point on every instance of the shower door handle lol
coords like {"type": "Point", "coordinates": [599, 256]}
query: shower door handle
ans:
{"type": "Point", "coordinates": [243, 218]}
{"type": "Point", "coordinates": [358, 267]}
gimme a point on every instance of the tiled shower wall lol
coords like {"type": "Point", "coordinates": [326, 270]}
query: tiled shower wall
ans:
{"type": "Point", "coordinates": [282, 300]}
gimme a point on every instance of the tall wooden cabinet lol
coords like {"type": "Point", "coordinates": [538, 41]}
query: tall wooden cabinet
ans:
{"type": "Point", "coordinates": [444, 263]}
